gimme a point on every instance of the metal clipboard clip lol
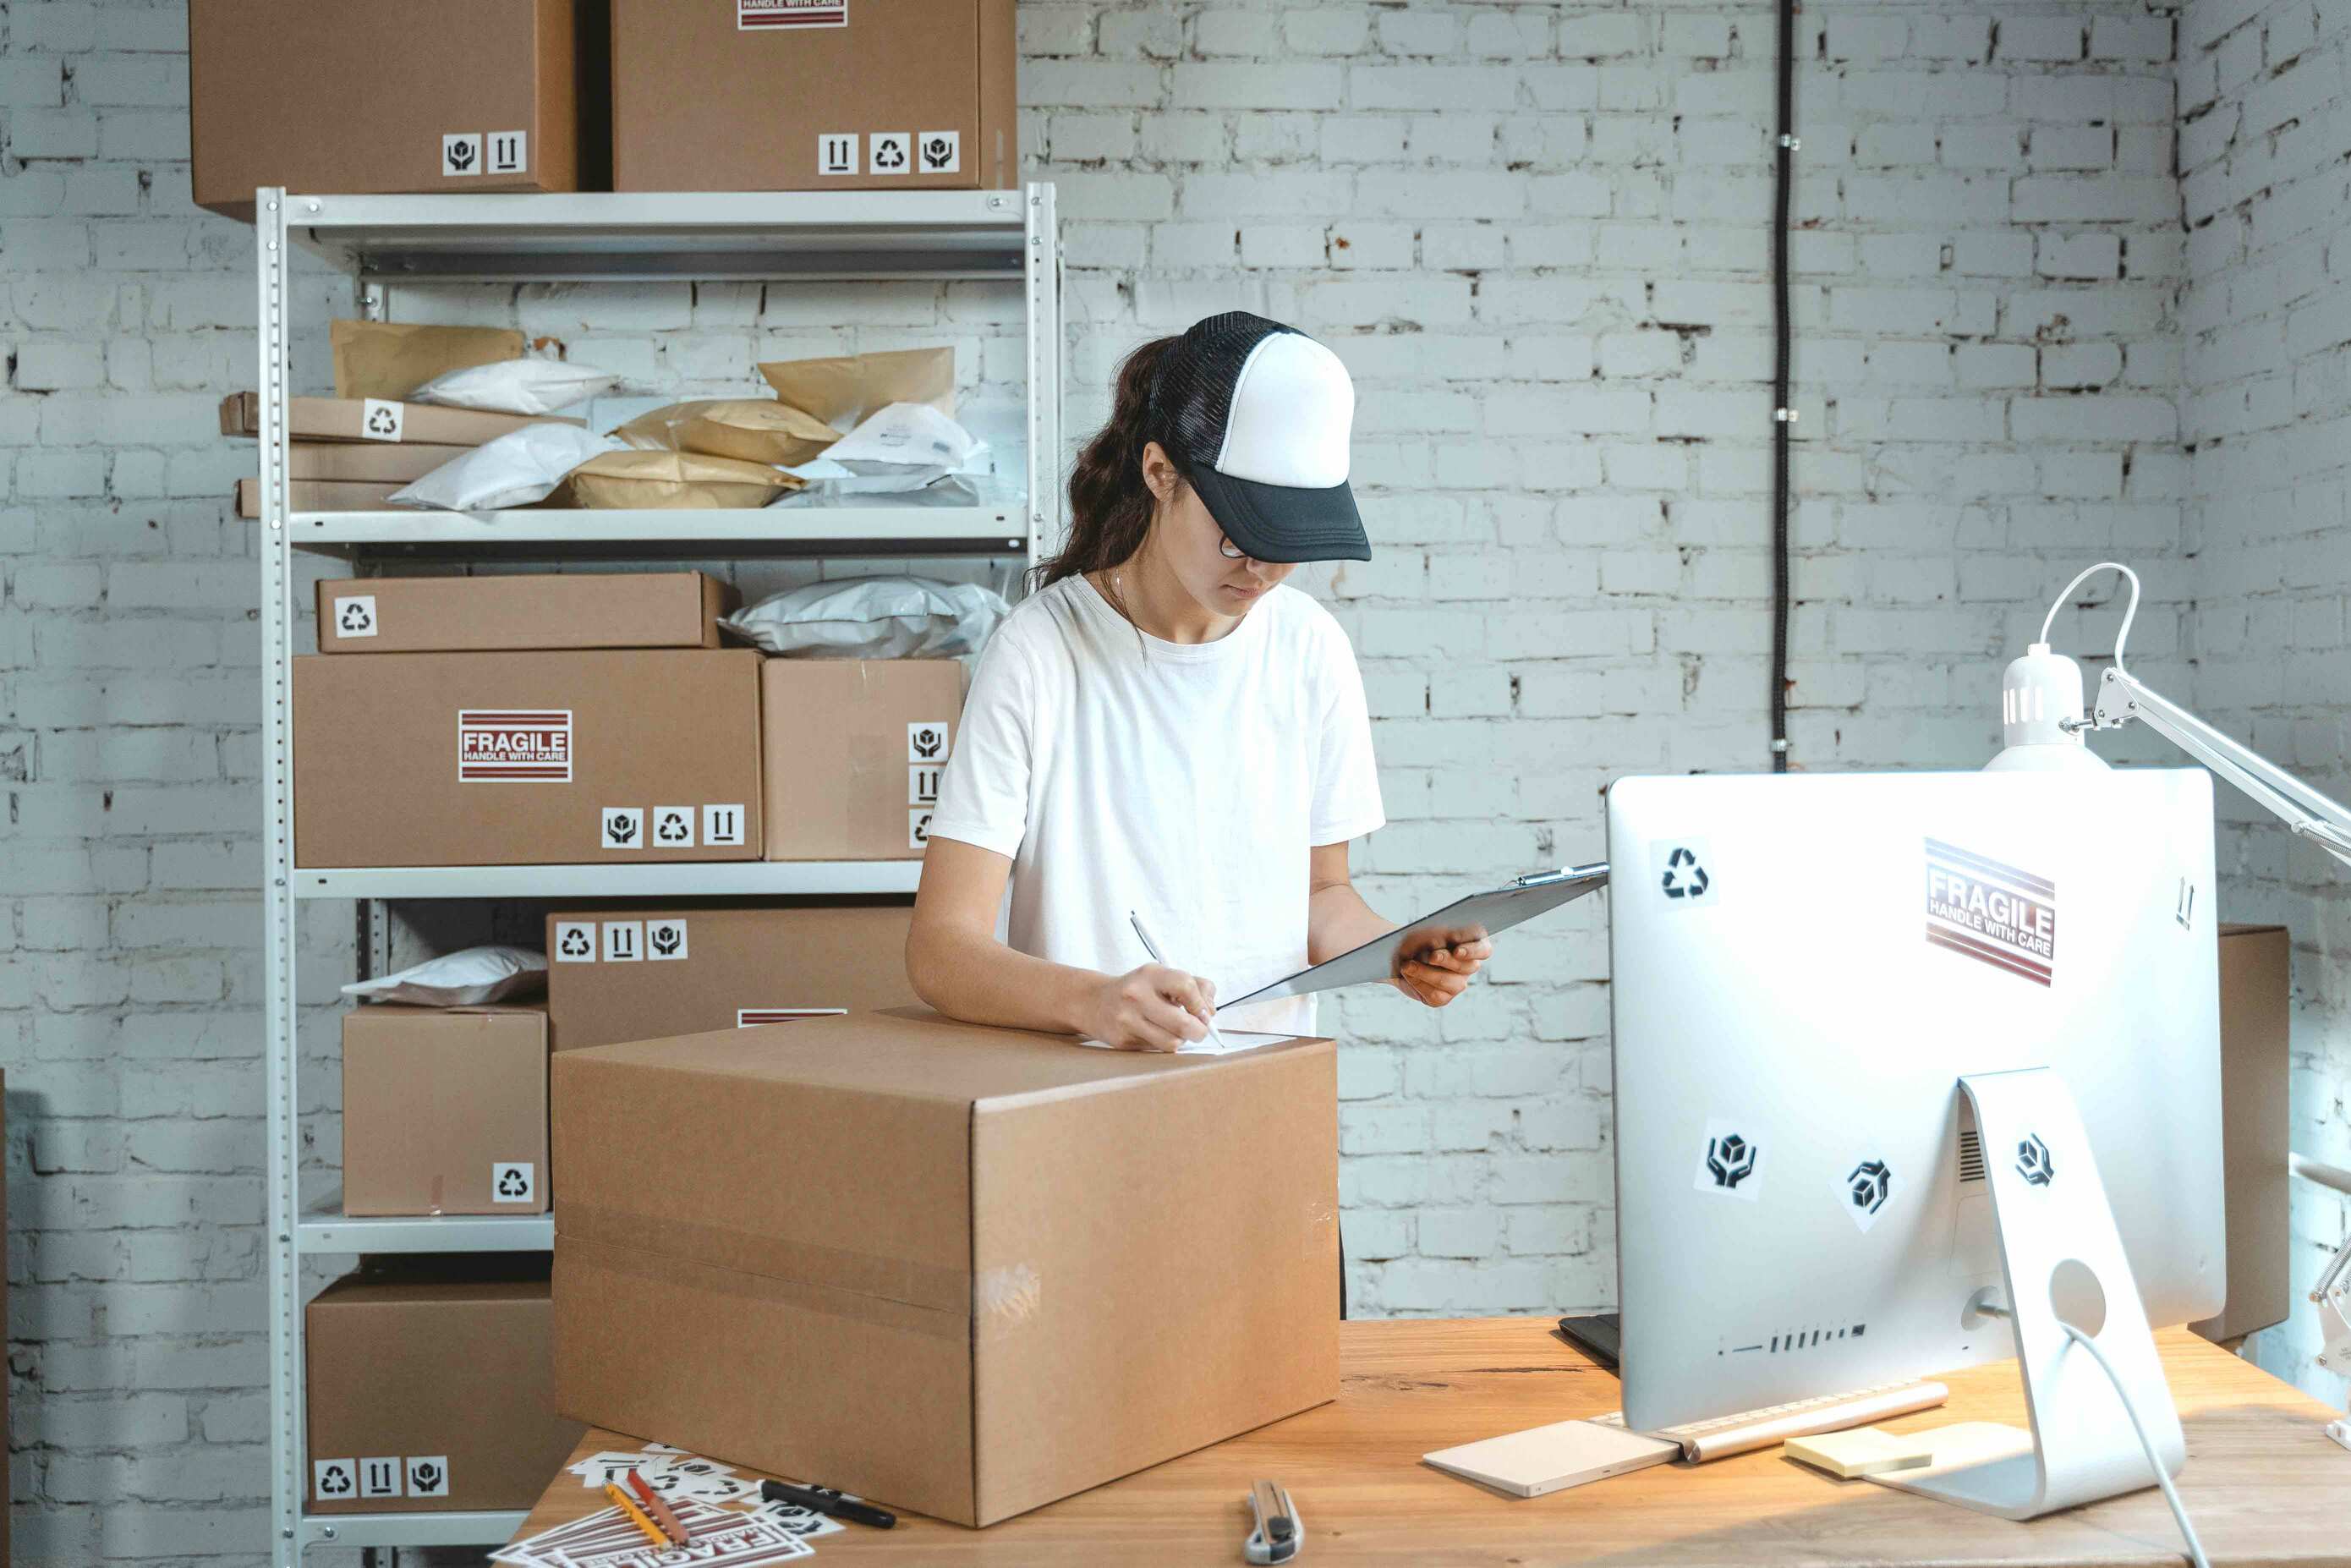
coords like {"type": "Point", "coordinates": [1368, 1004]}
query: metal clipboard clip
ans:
{"type": "Point", "coordinates": [1278, 1534]}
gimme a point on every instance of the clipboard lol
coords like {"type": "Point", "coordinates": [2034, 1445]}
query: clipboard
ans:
{"type": "Point", "coordinates": [1517, 901]}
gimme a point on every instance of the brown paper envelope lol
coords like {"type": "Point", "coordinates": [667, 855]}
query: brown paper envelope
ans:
{"type": "Point", "coordinates": [750, 430]}
{"type": "Point", "coordinates": [391, 360]}
{"type": "Point", "coordinates": [843, 390]}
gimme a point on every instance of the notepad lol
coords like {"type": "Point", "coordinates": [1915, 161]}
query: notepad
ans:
{"type": "Point", "coordinates": [1233, 1041]}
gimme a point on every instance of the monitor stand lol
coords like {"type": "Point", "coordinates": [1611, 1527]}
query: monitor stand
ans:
{"type": "Point", "coordinates": [2061, 1259]}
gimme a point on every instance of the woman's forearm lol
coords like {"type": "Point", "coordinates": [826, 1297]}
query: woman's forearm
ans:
{"type": "Point", "coordinates": [979, 980]}
{"type": "Point", "coordinates": [1339, 921]}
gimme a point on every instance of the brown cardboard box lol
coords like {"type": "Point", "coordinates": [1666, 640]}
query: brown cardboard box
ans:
{"type": "Point", "coordinates": [854, 751]}
{"type": "Point", "coordinates": [378, 420]}
{"type": "Point", "coordinates": [318, 495]}
{"type": "Point", "coordinates": [434, 1381]}
{"type": "Point", "coordinates": [338, 97]}
{"type": "Point", "coordinates": [958, 1270]}
{"type": "Point", "coordinates": [802, 95]}
{"type": "Point", "coordinates": [444, 1110]}
{"type": "Point", "coordinates": [2255, 997]}
{"type": "Point", "coordinates": [526, 758]}
{"type": "Point", "coordinates": [646, 974]}
{"type": "Point", "coordinates": [483, 614]}
{"type": "Point", "coordinates": [369, 462]}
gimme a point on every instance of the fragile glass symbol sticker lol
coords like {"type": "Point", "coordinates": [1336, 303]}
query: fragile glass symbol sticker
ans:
{"type": "Point", "coordinates": [428, 1475]}
{"type": "Point", "coordinates": [1732, 1161]}
{"type": "Point", "coordinates": [941, 151]}
{"type": "Point", "coordinates": [665, 940]}
{"type": "Point", "coordinates": [461, 155]}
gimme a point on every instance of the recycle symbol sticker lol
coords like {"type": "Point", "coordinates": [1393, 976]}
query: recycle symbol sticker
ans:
{"type": "Point", "coordinates": [333, 1477]}
{"type": "Point", "coordinates": [575, 940]}
{"type": "Point", "coordinates": [512, 1182]}
{"type": "Point", "coordinates": [1684, 877]}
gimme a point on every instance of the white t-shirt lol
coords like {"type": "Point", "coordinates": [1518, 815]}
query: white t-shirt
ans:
{"type": "Point", "coordinates": [1184, 781]}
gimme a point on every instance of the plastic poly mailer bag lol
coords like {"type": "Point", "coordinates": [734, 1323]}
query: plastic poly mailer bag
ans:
{"type": "Point", "coordinates": [535, 385]}
{"type": "Point", "coordinates": [872, 617]}
{"type": "Point", "coordinates": [843, 390]}
{"type": "Point", "coordinates": [749, 430]}
{"type": "Point", "coordinates": [906, 438]}
{"type": "Point", "coordinates": [633, 480]}
{"type": "Point", "coordinates": [392, 359]}
{"type": "Point", "coordinates": [464, 979]}
{"type": "Point", "coordinates": [516, 469]}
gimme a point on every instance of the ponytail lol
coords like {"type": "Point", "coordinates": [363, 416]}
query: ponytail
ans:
{"type": "Point", "coordinates": [1110, 506]}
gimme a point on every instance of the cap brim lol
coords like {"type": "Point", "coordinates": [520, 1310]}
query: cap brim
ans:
{"type": "Point", "coordinates": [1283, 523]}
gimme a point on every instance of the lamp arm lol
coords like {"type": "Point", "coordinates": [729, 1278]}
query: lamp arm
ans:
{"type": "Point", "coordinates": [2123, 697]}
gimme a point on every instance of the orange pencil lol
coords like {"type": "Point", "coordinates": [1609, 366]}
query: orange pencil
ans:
{"type": "Point", "coordinates": [659, 1509]}
{"type": "Point", "coordinates": [637, 1516]}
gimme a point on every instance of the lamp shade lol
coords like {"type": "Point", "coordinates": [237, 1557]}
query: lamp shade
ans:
{"type": "Point", "coordinates": [2040, 694]}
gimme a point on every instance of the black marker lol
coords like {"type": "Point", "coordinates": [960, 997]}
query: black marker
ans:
{"type": "Point", "coordinates": [825, 1502]}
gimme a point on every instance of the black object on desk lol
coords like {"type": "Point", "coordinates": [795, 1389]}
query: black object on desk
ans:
{"type": "Point", "coordinates": [819, 1500]}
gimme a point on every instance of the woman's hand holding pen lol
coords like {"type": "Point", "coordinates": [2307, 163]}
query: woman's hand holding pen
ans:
{"type": "Point", "coordinates": [1440, 971]}
{"type": "Point", "coordinates": [1152, 1007]}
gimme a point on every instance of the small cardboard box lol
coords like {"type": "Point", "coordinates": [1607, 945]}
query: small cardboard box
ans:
{"type": "Point", "coordinates": [378, 420]}
{"type": "Point", "coordinates": [854, 751]}
{"type": "Point", "coordinates": [2255, 1002]}
{"type": "Point", "coordinates": [416, 759]}
{"type": "Point", "coordinates": [444, 1110]}
{"type": "Point", "coordinates": [644, 974]}
{"type": "Point", "coordinates": [489, 614]}
{"type": "Point", "coordinates": [958, 1269]}
{"type": "Point", "coordinates": [338, 97]}
{"type": "Point", "coordinates": [813, 95]}
{"type": "Point", "coordinates": [320, 495]}
{"type": "Point", "coordinates": [431, 1389]}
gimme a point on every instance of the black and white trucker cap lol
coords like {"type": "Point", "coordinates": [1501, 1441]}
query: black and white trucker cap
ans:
{"type": "Point", "coordinates": [1257, 416]}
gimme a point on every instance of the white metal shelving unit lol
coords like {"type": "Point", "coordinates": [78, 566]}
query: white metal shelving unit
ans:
{"type": "Point", "coordinates": [379, 241]}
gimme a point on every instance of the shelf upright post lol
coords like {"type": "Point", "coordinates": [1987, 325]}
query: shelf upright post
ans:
{"type": "Point", "coordinates": [280, 1049]}
{"type": "Point", "coordinates": [1041, 271]}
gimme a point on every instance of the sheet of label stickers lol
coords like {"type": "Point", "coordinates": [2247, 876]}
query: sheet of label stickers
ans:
{"type": "Point", "coordinates": [722, 1512]}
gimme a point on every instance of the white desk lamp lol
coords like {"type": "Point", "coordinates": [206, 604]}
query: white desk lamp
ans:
{"type": "Point", "coordinates": [2042, 727]}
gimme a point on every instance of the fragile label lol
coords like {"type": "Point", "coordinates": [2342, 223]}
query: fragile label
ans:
{"type": "Point", "coordinates": [745, 1017]}
{"type": "Point", "coordinates": [514, 1181]}
{"type": "Point", "coordinates": [1994, 913]}
{"type": "Point", "coordinates": [941, 151]}
{"type": "Point", "coordinates": [461, 155]}
{"type": "Point", "coordinates": [382, 420]}
{"type": "Point", "coordinates": [622, 828]}
{"type": "Point", "coordinates": [665, 940]}
{"type": "Point", "coordinates": [355, 616]}
{"type": "Point", "coordinates": [514, 746]}
{"type": "Point", "coordinates": [428, 1475]}
{"type": "Point", "coordinates": [761, 13]}
{"type": "Point", "coordinates": [1732, 1163]}
{"type": "Point", "coordinates": [926, 740]}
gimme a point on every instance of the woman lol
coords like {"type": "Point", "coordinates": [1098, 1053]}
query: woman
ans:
{"type": "Point", "coordinates": [1165, 733]}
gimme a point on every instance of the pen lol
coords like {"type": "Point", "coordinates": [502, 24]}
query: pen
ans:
{"type": "Point", "coordinates": [826, 1502]}
{"type": "Point", "coordinates": [1157, 957]}
{"type": "Point", "coordinates": [659, 1509]}
{"type": "Point", "coordinates": [637, 1516]}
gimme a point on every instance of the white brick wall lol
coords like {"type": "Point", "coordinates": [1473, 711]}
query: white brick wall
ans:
{"type": "Point", "coordinates": [2266, 315]}
{"type": "Point", "coordinates": [1536, 234]}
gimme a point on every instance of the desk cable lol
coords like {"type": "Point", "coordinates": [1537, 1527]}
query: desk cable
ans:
{"type": "Point", "coordinates": [2162, 1477]}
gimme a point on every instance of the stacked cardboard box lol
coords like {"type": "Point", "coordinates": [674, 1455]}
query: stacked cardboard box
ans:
{"type": "Point", "coordinates": [546, 721]}
{"type": "Point", "coordinates": [855, 748]}
{"type": "Point", "coordinates": [635, 973]}
{"type": "Point", "coordinates": [350, 454]}
{"type": "Point", "coordinates": [445, 1111]}
{"type": "Point", "coordinates": [431, 1388]}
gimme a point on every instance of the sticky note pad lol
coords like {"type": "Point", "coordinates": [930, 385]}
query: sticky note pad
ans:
{"type": "Point", "coordinates": [1863, 1451]}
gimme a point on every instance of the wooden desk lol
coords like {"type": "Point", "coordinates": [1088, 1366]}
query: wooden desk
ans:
{"type": "Point", "coordinates": [2263, 1483]}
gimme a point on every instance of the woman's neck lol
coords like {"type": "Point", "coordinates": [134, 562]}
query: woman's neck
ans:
{"type": "Point", "coordinates": [1153, 598]}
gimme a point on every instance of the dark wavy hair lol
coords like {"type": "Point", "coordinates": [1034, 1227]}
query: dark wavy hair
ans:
{"type": "Point", "coordinates": [1110, 506]}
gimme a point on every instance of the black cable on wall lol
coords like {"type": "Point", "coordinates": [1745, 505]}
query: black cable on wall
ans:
{"type": "Point", "coordinates": [1783, 413]}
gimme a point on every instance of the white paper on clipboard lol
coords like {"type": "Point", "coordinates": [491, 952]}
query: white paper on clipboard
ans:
{"type": "Point", "coordinates": [1518, 901]}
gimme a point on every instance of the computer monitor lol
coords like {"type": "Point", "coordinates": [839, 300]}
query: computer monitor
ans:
{"type": "Point", "coordinates": [1803, 967]}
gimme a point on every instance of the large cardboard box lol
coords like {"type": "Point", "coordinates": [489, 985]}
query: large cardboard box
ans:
{"type": "Point", "coordinates": [2255, 1000]}
{"type": "Point", "coordinates": [412, 759]}
{"type": "Point", "coordinates": [431, 1389]}
{"type": "Point", "coordinates": [634, 973]}
{"type": "Point", "coordinates": [489, 614]}
{"type": "Point", "coordinates": [958, 1269]}
{"type": "Point", "coordinates": [854, 751]}
{"type": "Point", "coordinates": [813, 95]}
{"type": "Point", "coordinates": [345, 97]}
{"type": "Point", "coordinates": [444, 1110]}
